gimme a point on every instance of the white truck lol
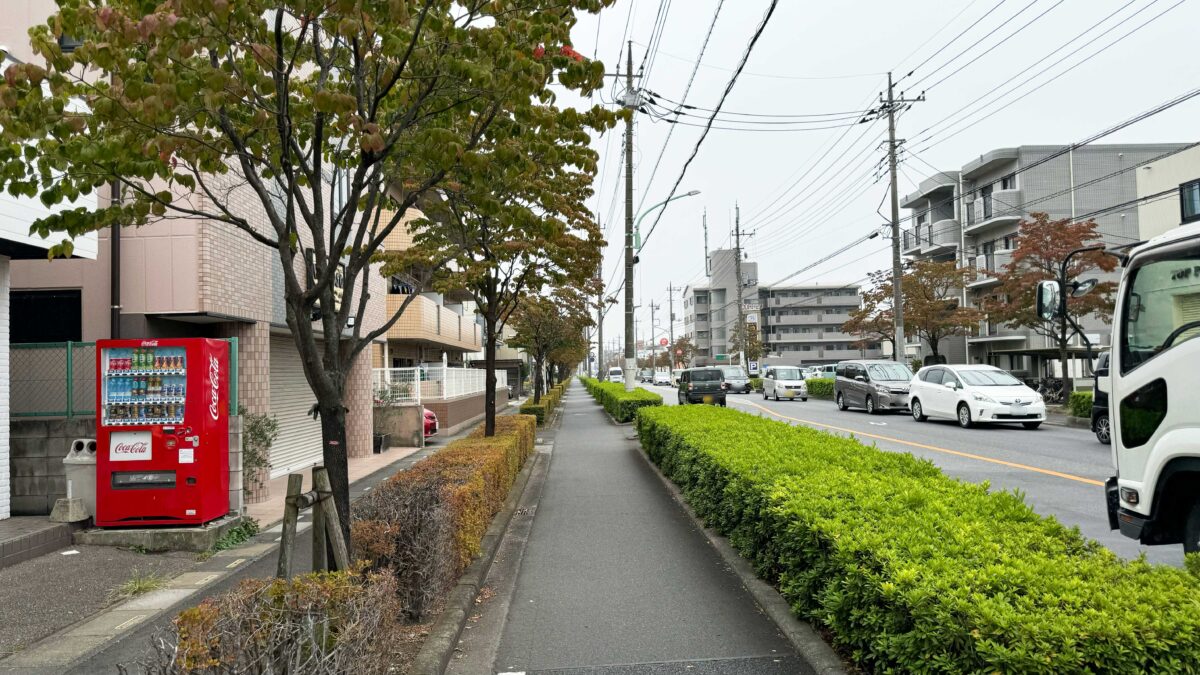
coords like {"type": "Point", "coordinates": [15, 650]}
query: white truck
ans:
{"type": "Point", "coordinates": [1153, 380]}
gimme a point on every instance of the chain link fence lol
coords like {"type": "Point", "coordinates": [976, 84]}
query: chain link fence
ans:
{"type": "Point", "coordinates": [52, 379]}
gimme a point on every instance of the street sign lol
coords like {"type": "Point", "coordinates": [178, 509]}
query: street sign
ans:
{"type": "Point", "coordinates": [752, 366]}
{"type": "Point", "coordinates": [664, 342]}
{"type": "Point", "coordinates": [722, 357]}
{"type": "Point", "coordinates": [678, 352]}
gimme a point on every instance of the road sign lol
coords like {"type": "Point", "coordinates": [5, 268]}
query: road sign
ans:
{"type": "Point", "coordinates": [664, 342]}
{"type": "Point", "coordinates": [722, 357]}
{"type": "Point", "coordinates": [752, 366]}
{"type": "Point", "coordinates": [678, 352]}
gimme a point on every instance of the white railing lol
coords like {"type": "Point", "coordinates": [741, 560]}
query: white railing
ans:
{"type": "Point", "coordinates": [398, 386]}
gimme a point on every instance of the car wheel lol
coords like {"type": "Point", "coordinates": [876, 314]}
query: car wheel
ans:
{"type": "Point", "coordinates": [1103, 430]}
{"type": "Point", "coordinates": [870, 405]}
{"type": "Point", "coordinates": [917, 412]}
{"type": "Point", "coordinates": [964, 416]}
{"type": "Point", "coordinates": [804, 399]}
{"type": "Point", "coordinates": [841, 401]}
{"type": "Point", "coordinates": [765, 396]}
{"type": "Point", "coordinates": [1031, 425]}
{"type": "Point", "coordinates": [1191, 530]}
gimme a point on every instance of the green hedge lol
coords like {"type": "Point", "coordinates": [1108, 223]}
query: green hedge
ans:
{"type": "Point", "coordinates": [912, 571]}
{"type": "Point", "coordinates": [622, 405]}
{"type": "Point", "coordinates": [820, 387]}
{"type": "Point", "coordinates": [1080, 404]}
{"type": "Point", "coordinates": [549, 402]}
{"type": "Point", "coordinates": [756, 383]}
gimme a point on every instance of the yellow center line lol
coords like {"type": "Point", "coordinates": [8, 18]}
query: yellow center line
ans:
{"type": "Point", "coordinates": [923, 446]}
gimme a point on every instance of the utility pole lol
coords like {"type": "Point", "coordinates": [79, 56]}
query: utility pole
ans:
{"type": "Point", "coordinates": [707, 271]}
{"type": "Point", "coordinates": [671, 328]}
{"type": "Point", "coordinates": [599, 317]}
{"type": "Point", "coordinates": [631, 104]}
{"type": "Point", "coordinates": [737, 270]}
{"type": "Point", "coordinates": [652, 346]}
{"type": "Point", "coordinates": [897, 272]}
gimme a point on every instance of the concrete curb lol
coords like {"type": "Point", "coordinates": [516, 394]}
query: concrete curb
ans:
{"type": "Point", "coordinates": [1068, 421]}
{"type": "Point", "coordinates": [439, 646]}
{"type": "Point", "coordinates": [809, 646]}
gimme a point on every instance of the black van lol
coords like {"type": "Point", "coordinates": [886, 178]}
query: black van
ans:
{"type": "Point", "coordinates": [702, 385]}
{"type": "Point", "coordinates": [1100, 423]}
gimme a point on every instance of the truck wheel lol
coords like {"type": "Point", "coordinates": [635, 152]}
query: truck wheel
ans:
{"type": "Point", "coordinates": [1191, 530]}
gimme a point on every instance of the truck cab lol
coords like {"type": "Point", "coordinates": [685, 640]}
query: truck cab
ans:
{"type": "Point", "coordinates": [1153, 377]}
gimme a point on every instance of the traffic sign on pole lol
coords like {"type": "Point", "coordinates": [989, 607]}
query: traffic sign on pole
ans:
{"type": "Point", "coordinates": [663, 342]}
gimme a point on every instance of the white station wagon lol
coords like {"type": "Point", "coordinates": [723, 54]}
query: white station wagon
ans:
{"type": "Point", "coordinates": [974, 394]}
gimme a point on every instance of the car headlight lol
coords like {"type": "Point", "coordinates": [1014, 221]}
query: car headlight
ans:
{"type": "Point", "coordinates": [982, 397]}
{"type": "Point", "coordinates": [1037, 398]}
{"type": "Point", "coordinates": [881, 388]}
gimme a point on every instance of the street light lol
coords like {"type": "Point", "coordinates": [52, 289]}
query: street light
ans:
{"type": "Point", "coordinates": [630, 355]}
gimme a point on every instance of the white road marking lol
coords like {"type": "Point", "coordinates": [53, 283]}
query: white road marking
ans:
{"type": "Point", "coordinates": [128, 622]}
{"type": "Point", "coordinates": [235, 563]}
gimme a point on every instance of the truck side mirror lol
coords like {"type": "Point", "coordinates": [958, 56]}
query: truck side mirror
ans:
{"type": "Point", "coordinates": [1049, 296]}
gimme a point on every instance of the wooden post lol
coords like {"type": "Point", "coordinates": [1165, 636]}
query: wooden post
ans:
{"type": "Point", "coordinates": [333, 523]}
{"type": "Point", "coordinates": [320, 547]}
{"type": "Point", "coordinates": [291, 511]}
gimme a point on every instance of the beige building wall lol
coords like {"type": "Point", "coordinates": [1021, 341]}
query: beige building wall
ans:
{"type": "Point", "coordinates": [1163, 215]}
{"type": "Point", "coordinates": [19, 16]}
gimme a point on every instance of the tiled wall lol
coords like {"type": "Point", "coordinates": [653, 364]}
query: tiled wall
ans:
{"type": "Point", "coordinates": [359, 421]}
{"type": "Point", "coordinates": [5, 484]}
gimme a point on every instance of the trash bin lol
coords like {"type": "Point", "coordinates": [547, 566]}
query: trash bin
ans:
{"type": "Point", "coordinates": [80, 466]}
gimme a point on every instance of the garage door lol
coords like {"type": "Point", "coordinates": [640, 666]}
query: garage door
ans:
{"type": "Point", "coordinates": [299, 443]}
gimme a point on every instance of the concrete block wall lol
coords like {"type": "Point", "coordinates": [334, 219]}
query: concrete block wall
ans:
{"type": "Point", "coordinates": [37, 449]}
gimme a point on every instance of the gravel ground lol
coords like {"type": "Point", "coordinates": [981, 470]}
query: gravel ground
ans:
{"type": "Point", "coordinates": [42, 596]}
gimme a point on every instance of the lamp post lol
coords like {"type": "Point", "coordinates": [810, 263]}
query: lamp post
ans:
{"type": "Point", "coordinates": [630, 259]}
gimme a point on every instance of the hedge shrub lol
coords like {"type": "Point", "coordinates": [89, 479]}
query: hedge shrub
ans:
{"type": "Point", "coordinates": [912, 571]}
{"type": "Point", "coordinates": [1080, 404]}
{"type": "Point", "coordinates": [426, 524]}
{"type": "Point", "coordinates": [325, 624]}
{"type": "Point", "coordinates": [756, 383]}
{"type": "Point", "coordinates": [622, 405]}
{"type": "Point", "coordinates": [549, 402]}
{"type": "Point", "coordinates": [820, 387]}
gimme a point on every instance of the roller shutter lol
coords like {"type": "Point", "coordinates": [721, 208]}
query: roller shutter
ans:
{"type": "Point", "coordinates": [299, 443]}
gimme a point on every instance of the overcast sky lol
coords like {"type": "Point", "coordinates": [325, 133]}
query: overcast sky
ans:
{"type": "Point", "coordinates": [821, 58]}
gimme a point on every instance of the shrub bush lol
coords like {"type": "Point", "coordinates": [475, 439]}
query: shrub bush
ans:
{"type": "Point", "coordinates": [820, 387]}
{"type": "Point", "coordinates": [326, 624]}
{"type": "Point", "coordinates": [622, 405]}
{"type": "Point", "coordinates": [1080, 404]}
{"type": "Point", "coordinates": [426, 524]}
{"type": "Point", "coordinates": [912, 571]}
{"type": "Point", "coordinates": [756, 383]}
{"type": "Point", "coordinates": [549, 402]}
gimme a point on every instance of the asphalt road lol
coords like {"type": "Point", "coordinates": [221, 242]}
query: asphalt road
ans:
{"type": "Point", "coordinates": [1060, 470]}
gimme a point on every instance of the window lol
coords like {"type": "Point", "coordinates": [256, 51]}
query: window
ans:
{"type": "Point", "coordinates": [1161, 307]}
{"type": "Point", "coordinates": [46, 316]}
{"type": "Point", "coordinates": [988, 378]}
{"type": "Point", "coordinates": [1009, 182]}
{"type": "Point", "coordinates": [933, 375]}
{"type": "Point", "coordinates": [892, 372]}
{"type": "Point", "coordinates": [1189, 201]}
{"type": "Point", "coordinates": [397, 286]}
{"type": "Point", "coordinates": [986, 194]}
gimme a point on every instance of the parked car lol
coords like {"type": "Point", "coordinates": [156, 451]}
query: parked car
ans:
{"type": "Point", "coordinates": [645, 375]}
{"type": "Point", "coordinates": [662, 377]}
{"type": "Point", "coordinates": [736, 380]}
{"type": "Point", "coordinates": [784, 382]}
{"type": "Point", "coordinates": [431, 423]}
{"type": "Point", "coordinates": [974, 394]}
{"type": "Point", "coordinates": [702, 385]}
{"type": "Point", "coordinates": [873, 385]}
{"type": "Point", "coordinates": [1101, 426]}
{"type": "Point", "coordinates": [616, 375]}
{"type": "Point", "coordinates": [827, 371]}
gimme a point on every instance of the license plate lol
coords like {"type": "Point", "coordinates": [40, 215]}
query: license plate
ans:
{"type": "Point", "coordinates": [788, 393]}
{"type": "Point", "coordinates": [1017, 409]}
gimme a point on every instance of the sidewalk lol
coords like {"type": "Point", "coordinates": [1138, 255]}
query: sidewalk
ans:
{"type": "Point", "coordinates": [57, 607]}
{"type": "Point", "coordinates": [615, 578]}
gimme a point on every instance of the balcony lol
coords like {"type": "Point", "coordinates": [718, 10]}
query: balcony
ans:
{"type": "Point", "coordinates": [427, 322]}
{"type": "Point", "coordinates": [910, 243]}
{"type": "Point", "coordinates": [995, 332]}
{"type": "Point", "coordinates": [943, 235]}
{"type": "Point", "coordinates": [994, 210]}
{"type": "Point", "coordinates": [989, 266]}
{"type": "Point", "coordinates": [814, 319]}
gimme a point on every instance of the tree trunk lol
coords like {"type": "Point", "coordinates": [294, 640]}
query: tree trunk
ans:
{"type": "Point", "coordinates": [333, 454]}
{"type": "Point", "coordinates": [489, 380]}
{"type": "Point", "coordinates": [1066, 370]}
{"type": "Point", "coordinates": [537, 381]}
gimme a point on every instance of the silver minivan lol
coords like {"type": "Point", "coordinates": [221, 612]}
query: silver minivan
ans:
{"type": "Point", "coordinates": [874, 385]}
{"type": "Point", "coordinates": [784, 382]}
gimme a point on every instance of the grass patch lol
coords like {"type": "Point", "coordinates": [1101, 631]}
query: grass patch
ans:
{"type": "Point", "coordinates": [237, 536]}
{"type": "Point", "coordinates": [139, 584]}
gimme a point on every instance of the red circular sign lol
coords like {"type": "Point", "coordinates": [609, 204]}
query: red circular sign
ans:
{"type": "Point", "coordinates": [663, 341]}
{"type": "Point", "coordinates": [678, 352]}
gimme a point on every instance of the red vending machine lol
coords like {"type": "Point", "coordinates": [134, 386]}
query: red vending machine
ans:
{"type": "Point", "coordinates": [162, 429]}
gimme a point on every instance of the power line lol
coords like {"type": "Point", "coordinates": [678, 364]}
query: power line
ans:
{"type": "Point", "coordinates": [728, 88]}
{"type": "Point", "coordinates": [976, 43]}
{"type": "Point", "coordinates": [843, 114]}
{"type": "Point", "coordinates": [772, 76]}
{"type": "Point", "coordinates": [952, 41]}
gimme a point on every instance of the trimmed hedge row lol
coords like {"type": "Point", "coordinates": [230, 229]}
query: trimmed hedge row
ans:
{"type": "Point", "coordinates": [426, 524]}
{"type": "Point", "coordinates": [1080, 404]}
{"type": "Point", "coordinates": [550, 400]}
{"type": "Point", "coordinates": [912, 571]}
{"type": "Point", "coordinates": [820, 387]}
{"type": "Point", "coordinates": [756, 384]}
{"type": "Point", "coordinates": [622, 405]}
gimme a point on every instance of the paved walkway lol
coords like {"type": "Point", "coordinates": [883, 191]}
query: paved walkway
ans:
{"type": "Point", "coordinates": [616, 579]}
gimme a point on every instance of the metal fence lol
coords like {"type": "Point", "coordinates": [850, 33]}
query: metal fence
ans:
{"type": "Point", "coordinates": [58, 379]}
{"type": "Point", "coordinates": [400, 386]}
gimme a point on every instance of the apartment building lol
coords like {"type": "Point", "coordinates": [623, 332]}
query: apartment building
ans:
{"type": "Point", "coordinates": [804, 324]}
{"type": "Point", "coordinates": [801, 323]}
{"type": "Point", "coordinates": [972, 215]}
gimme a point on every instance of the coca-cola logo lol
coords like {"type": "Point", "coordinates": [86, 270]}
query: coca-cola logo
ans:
{"type": "Point", "coordinates": [214, 381]}
{"type": "Point", "coordinates": [131, 448]}
{"type": "Point", "coordinates": [149, 343]}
